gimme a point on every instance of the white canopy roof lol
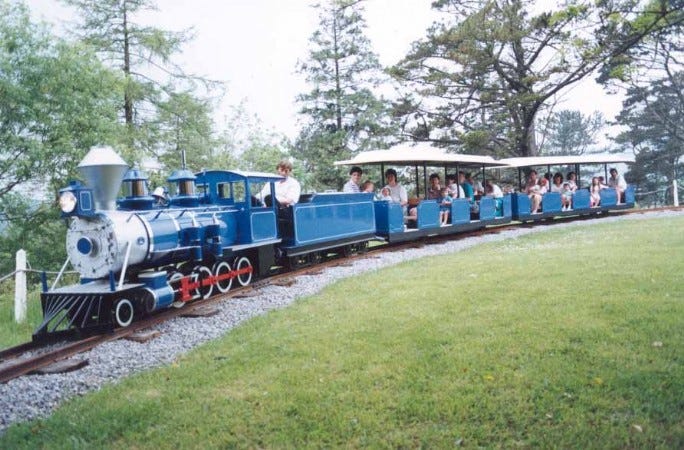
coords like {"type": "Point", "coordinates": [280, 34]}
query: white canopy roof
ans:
{"type": "Point", "coordinates": [566, 160]}
{"type": "Point", "coordinates": [418, 153]}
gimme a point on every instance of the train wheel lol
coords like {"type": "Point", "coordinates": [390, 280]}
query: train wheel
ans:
{"type": "Point", "coordinates": [199, 275]}
{"type": "Point", "coordinates": [243, 264]}
{"type": "Point", "coordinates": [220, 269]}
{"type": "Point", "coordinates": [174, 282]}
{"type": "Point", "coordinates": [123, 312]}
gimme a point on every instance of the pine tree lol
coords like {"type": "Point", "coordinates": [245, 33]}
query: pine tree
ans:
{"type": "Point", "coordinates": [342, 114]}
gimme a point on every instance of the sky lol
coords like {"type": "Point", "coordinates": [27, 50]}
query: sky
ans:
{"type": "Point", "coordinates": [254, 46]}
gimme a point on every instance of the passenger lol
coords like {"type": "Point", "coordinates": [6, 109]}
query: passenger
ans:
{"type": "Point", "coordinates": [557, 185]}
{"type": "Point", "coordinates": [385, 194]}
{"type": "Point", "coordinates": [353, 184]}
{"type": "Point", "coordinates": [477, 186]}
{"type": "Point", "coordinates": [398, 193]}
{"type": "Point", "coordinates": [287, 190]}
{"type": "Point", "coordinates": [602, 182]}
{"type": "Point", "coordinates": [533, 191]}
{"type": "Point", "coordinates": [494, 191]}
{"type": "Point", "coordinates": [618, 183]}
{"type": "Point", "coordinates": [594, 193]}
{"type": "Point", "coordinates": [435, 190]}
{"type": "Point", "coordinates": [455, 191]}
{"type": "Point", "coordinates": [368, 186]}
{"type": "Point", "coordinates": [543, 186]}
{"type": "Point", "coordinates": [444, 201]}
{"type": "Point", "coordinates": [466, 186]}
{"type": "Point", "coordinates": [566, 197]}
{"type": "Point", "coordinates": [572, 180]}
{"type": "Point", "coordinates": [161, 198]}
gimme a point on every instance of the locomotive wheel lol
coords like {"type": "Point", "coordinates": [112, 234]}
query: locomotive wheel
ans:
{"type": "Point", "coordinates": [240, 264]}
{"type": "Point", "coordinates": [223, 268]}
{"type": "Point", "coordinates": [123, 312]}
{"type": "Point", "coordinates": [174, 282]}
{"type": "Point", "coordinates": [199, 274]}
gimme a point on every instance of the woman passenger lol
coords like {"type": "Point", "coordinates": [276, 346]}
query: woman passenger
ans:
{"type": "Point", "coordinates": [557, 185]}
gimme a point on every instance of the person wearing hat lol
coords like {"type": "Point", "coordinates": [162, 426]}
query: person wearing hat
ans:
{"type": "Point", "coordinates": [353, 184]}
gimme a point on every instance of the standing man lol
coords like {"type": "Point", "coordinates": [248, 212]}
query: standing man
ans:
{"type": "Point", "coordinates": [353, 184]}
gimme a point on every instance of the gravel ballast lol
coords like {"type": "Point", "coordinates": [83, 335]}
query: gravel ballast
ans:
{"type": "Point", "coordinates": [36, 396]}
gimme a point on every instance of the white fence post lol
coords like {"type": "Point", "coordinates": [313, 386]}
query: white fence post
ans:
{"type": "Point", "coordinates": [675, 193]}
{"type": "Point", "coordinates": [20, 288]}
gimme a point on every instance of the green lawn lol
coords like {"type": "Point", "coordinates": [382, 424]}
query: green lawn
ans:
{"type": "Point", "coordinates": [569, 338]}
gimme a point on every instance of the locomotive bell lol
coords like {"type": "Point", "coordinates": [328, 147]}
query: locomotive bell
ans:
{"type": "Point", "coordinates": [103, 169]}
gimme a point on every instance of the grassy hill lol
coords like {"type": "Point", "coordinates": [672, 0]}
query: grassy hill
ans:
{"type": "Point", "coordinates": [570, 338]}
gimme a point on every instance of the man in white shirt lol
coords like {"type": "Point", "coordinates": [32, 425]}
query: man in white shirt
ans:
{"type": "Point", "coordinates": [353, 184]}
{"type": "Point", "coordinates": [287, 190]}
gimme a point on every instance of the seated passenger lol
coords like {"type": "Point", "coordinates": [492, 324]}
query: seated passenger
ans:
{"type": "Point", "coordinates": [566, 197]}
{"type": "Point", "coordinates": [594, 193]}
{"type": "Point", "coordinates": [477, 186]}
{"type": "Point", "coordinates": [494, 191]}
{"type": "Point", "coordinates": [455, 191]}
{"type": "Point", "coordinates": [435, 189]}
{"type": "Point", "coordinates": [367, 186]}
{"type": "Point", "coordinates": [602, 182]}
{"type": "Point", "coordinates": [572, 180]}
{"type": "Point", "coordinates": [533, 191]}
{"type": "Point", "coordinates": [287, 190]}
{"type": "Point", "coordinates": [444, 206]}
{"type": "Point", "coordinates": [385, 194]}
{"type": "Point", "coordinates": [353, 184]}
{"type": "Point", "coordinates": [557, 185]}
{"type": "Point", "coordinates": [618, 183]}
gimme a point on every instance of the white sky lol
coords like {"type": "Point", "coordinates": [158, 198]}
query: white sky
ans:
{"type": "Point", "coordinates": [254, 46]}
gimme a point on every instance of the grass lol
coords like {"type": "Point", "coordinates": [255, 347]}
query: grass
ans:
{"type": "Point", "coordinates": [570, 338]}
{"type": "Point", "coordinates": [12, 333]}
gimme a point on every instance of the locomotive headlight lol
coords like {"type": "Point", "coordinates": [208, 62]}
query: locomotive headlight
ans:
{"type": "Point", "coordinates": [67, 202]}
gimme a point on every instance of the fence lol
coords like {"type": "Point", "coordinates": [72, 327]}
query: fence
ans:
{"type": "Point", "coordinates": [22, 268]}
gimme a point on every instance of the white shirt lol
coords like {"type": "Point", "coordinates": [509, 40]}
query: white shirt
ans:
{"type": "Point", "coordinates": [619, 182]}
{"type": "Point", "coordinates": [287, 191]}
{"type": "Point", "coordinates": [496, 191]}
{"type": "Point", "coordinates": [398, 193]}
{"type": "Point", "coordinates": [456, 188]}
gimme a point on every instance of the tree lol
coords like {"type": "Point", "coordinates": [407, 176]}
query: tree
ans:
{"type": "Point", "coordinates": [143, 54]}
{"type": "Point", "coordinates": [184, 124]}
{"type": "Point", "coordinates": [56, 101]}
{"type": "Point", "coordinates": [343, 115]}
{"type": "Point", "coordinates": [571, 132]}
{"type": "Point", "coordinates": [654, 117]}
{"type": "Point", "coordinates": [491, 66]}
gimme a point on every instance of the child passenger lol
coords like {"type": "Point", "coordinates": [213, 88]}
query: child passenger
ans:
{"type": "Point", "coordinates": [385, 194]}
{"type": "Point", "coordinates": [444, 206]}
{"type": "Point", "coordinates": [566, 197]}
{"type": "Point", "coordinates": [595, 192]}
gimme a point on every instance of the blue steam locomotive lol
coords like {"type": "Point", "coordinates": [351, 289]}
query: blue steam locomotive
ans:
{"type": "Point", "coordinates": [142, 253]}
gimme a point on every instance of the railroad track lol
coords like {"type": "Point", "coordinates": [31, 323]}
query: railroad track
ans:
{"type": "Point", "coordinates": [32, 357]}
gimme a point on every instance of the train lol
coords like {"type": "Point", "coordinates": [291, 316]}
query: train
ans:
{"type": "Point", "coordinates": [139, 253]}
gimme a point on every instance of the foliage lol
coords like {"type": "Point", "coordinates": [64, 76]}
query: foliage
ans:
{"type": "Point", "coordinates": [184, 124]}
{"type": "Point", "coordinates": [56, 100]}
{"type": "Point", "coordinates": [153, 84]}
{"type": "Point", "coordinates": [570, 132]}
{"type": "Point", "coordinates": [491, 66]}
{"type": "Point", "coordinates": [343, 115]}
{"type": "Point", "coordinates": [653, 115]}
{"type": "Point", "coordinates": [406, 361]}
{"type": "Point", "coordinates": [33, 226]}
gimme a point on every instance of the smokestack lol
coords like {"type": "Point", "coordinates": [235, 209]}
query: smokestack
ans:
{"type": "Point", "coordinates": [103, 169]}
